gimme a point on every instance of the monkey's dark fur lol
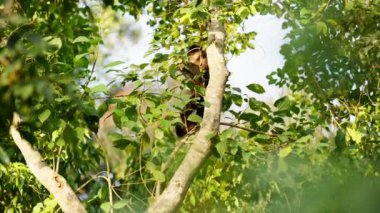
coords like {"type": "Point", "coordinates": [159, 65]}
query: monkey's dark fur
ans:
{"type": "Point", "coordinates": [197, 71]}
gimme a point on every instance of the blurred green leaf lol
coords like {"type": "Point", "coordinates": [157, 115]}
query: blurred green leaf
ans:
{"type": "Point", "coordinates": [257, 88]}
{"type": "Point", "coordinates": [221, 147]}
{"type": "Point", "coordinates": [285, 152]}
{"type": "Point", "coordinates": [44, 115]}
{"type": "Point", "coordinates": [158, 176]}
{"type": "Point", "coordinates": [113, 64]}
{"type": "Point", "coordinates": [120, 204]}
{"type": "Point", "coordinates": [354, 134]}
{"type": "Point", "coordinates": [195, 118]}
{"type": "Point", "coordinates": [106, 206]}
{"type": "Point", "coordinates": [80, 39]}
{"type": "Point", "coordinates": [237, 99]}
{"type": "Point", "coordinates": [243, 12]}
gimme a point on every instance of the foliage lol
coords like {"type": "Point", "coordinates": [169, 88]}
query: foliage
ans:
{"type": "Point", "coordinates": [333, 54]}
{"type": "Point", "coordinates": [319, 141]}
{"type": "Point", "coordinates": [333, 49]}
{"type": "Point", "coordinates": [43, 68]}
{"type": "Point", "coordinates": [23, 185]}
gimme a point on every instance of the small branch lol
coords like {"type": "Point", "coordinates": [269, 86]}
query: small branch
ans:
{"type": "Point", "coordinates": [140, 171]}
{"type": "Point", "coordinates": [108, 179]}
{"type": "Point", "coordinates": [58, 159]}
{"type": "Point", "coordinates": [92, 71]}
{"type": "Point", "coordinates": [247, 129]}
{"type": "Point", "coordinates": [52, 181]}
{"type": "Point", "coordinates": [89, 78]}
{"type": "Point", "coordinates": [88, 181]}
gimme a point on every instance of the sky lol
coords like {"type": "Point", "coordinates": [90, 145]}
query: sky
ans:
{"type": "Point", "coordinates": [250, 67]}
{"type": "Point", "coordinates": [254, 65]}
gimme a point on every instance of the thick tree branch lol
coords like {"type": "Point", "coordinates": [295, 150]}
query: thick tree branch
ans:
{"type": "Point", "coordinates": [52, 181]}
{"type": "Point", "coordinates": [172, 197]}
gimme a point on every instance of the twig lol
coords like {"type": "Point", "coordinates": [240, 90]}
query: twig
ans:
{"type": "Point", "coordinates": [58, 159]}
{"type": "Point", "coordinates": [91, 73]}
{"type": "Point", "coordinates": [88, 181]}
{"type": "Point", "coordinates": [140, 171]}
{"type": "Point", "coordinates": [247, 129]}
{"type": "Point", "coordinates": [109, 183]}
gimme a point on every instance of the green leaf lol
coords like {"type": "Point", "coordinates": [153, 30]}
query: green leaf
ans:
{"type": "Point", "coordinates": [159, 134]}
{"type": "Point", "coordinates": [195, 118]}
{"type": "Point", "coordinates": [243, 12]}
{"type": "Point", "coordinates": [349, 5]}
{"type": "Point", "coordinates": [4, 158]}
{"type": "Point", "coordinates": [106, 206]}
{"type": "Point", "coordinates": [192, 199]}
{"type": "Point", "coordinates": [185, 19]}
{"type": "Point", "coordinates": [120, 204]}
{"type": "Point", "coordinates": [322, 27]}
{"type": "Point", "coordinates": [252, 9]}
{"type": "Point", "coordinates": [122, 143]}
{"type": "Point", "coordinates": [113, 63]}
{"type": "Point", "coordinates": [354, 134]}
{"type": "Point", "coordinates": [56, 42]}
{"type": "Point", "coordinates": [99, 88]}
{"type": "Point", "coordinates": [257, 105]}
{"type": "Point", "coordinates": [228, 133]}
{"type": "Point", "coordinates": [283, 138]}
{"type": "Point", "coordinates": [285, 151]}
{"type": "Point", "coordinates": [221, 147]}
{"type": "Point", "coordinates": [150, 166]}
{"type": "Point", "coordinates": [165, 124]}
{"type": "Point", "coordinates": [81, 39]}
{"type": "Point", "coordinates": [283, 103]}
{"type": "Point", "coordinates": [44, 115]}
{"type": "Point", "coordinates": [218, 2]}
{"type": "Point", "coordinates": [81, 61]}
{"type": "Point", "coordinates": [304, 139]}
{"type": "Point", "coordinates": [211, 136]}
{"type": "Point", "coordinates": [131, 113]}
{"type": "Point", "coordinates": [257, 88]}
{"type": "Point", "coordinates": [304, 12]}
{"type": "Point", "coordinates": [340, 139]}
{"type": "Point", "coordinates": [237, 99]}
{"type": "Point", "coordinates": [158, 176]}
{"type": "Point", "coordinates": [25, 91]}
{"type": "Point", "coordinates": [49, 204]}
{"type": "Point", "coordinates": [249, 117]}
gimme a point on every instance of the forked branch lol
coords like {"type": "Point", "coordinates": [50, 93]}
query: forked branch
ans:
{"type": "Point", "coordinates": [52, 181]}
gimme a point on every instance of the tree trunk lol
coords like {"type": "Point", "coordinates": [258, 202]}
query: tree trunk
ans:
{"type": "Point", "coordinates": [172, 197]}
{"type": "Point", "coordinates": [53, 182]}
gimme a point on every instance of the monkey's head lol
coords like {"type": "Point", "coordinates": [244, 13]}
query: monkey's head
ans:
{"type": "Point", "coordinates": [198, 57]}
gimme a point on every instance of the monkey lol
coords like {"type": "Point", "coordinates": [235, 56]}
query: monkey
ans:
{"type": "Point", "coordinates": [197, 67]}
{"type": "Point", "coordinates": [197, 71]}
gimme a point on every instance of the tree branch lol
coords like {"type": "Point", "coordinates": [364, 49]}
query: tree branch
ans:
{"type": "Point", "coordinates": [247, 129]}
{"type": "Point", "coordinates": [172, 197]}
{"type": "Point", "coordinates": [53, 182]}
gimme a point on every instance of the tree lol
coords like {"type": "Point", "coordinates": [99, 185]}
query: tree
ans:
{"type": "Point", "coordinates": [333, 55]}
{"type": "Point", "coordinates": [270, 158]}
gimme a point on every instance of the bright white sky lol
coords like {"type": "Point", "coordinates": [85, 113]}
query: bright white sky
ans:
{"type": "Point", "coordinates": [250, 67]}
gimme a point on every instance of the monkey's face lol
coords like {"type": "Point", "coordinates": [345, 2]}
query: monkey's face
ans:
{"type": "Point", "coordinates": [199, 58]}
